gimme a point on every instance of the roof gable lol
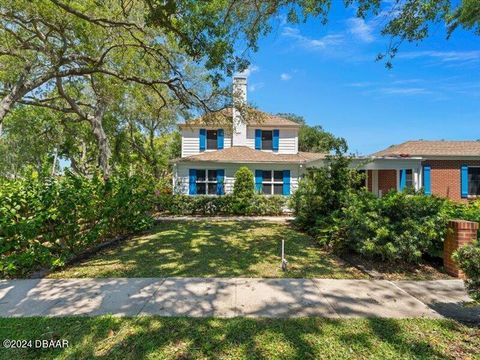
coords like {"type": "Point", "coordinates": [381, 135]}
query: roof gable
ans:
{"type": "Point", "coordinates": [254, 117]}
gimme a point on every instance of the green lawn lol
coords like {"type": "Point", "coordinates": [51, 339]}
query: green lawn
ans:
{"type": "Point", "coordinates": [214, 249]}
{"type": "Point", "coordinates": [181, 338]}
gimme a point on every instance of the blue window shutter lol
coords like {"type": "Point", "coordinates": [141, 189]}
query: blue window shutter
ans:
{"type": "Point", "coordinates": [427, 181]}
{"type": "Point", "coordinates": [220, 139]}
{"type": "Point", "coordinates": [403, 179]}
{"type": "Point", "coordinates": [192, 182]}
{"type": "Point", "coordinates": [203, 139]}
{"type": "Point", "coordinates": [220, 182]}
{"type": "Point", "coordinates": [258, 180]}
{"type": "Point", "coordinates": [258, 139]}
{"type": "Point", "coordinates": [464, 180]}
{"type": "Point", "coordinates": [276, 139]}
{"type": "Point", "coordinates": [286, 182]}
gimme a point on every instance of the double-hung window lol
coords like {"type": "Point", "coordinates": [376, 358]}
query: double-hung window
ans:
{"type": "Point", "coordinates": [212, 139]}
{"type": "Point", "coordinates": [267, 140]}
{"type": "Point", "coordinates": [272, 183]}
{"type": "Point", "coordinates": [473, 181]}
{"type": "Point", "coordinates": [206, 182]}
{"type": "Point", "coordinates": [409, 178]}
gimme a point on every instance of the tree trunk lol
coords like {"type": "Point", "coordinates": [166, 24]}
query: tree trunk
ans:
{"type": "Point", "coordinates": [105, 154]}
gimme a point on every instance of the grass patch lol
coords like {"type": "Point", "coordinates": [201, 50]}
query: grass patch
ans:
{"type": "Point", "coordinates": [241, 338]}
{"type": "Point", "coordinates": [214, 249]}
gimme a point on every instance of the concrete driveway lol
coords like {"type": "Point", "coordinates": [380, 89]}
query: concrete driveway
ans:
{"type": "Point", "coordinates": [230, 297]}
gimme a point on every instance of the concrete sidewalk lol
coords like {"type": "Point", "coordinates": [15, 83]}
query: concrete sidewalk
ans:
{"type": "Point", "coordinates": [202, 297]}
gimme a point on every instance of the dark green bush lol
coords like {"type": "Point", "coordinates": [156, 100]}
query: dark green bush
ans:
{"type": "Point", "coordinates": [397, 227]}
{"type": "Point", "coordinates": [243, 191]}
{"type": "Point", "coordinates": [204, 205]}
{"type": "Point", "coordinates": [244, 183]}
{"type": "Point", "coordinates": [322, 193]}
{"type": "Point", "coordinates": [468, 260]}
{"type": "Point", "coordinates": [45, 222]}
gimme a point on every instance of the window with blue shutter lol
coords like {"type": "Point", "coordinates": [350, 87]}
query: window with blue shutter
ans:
{"type": "Point", "coordinates": [464, 181]}
{"type": "Point", "coordinates": [220, 181]}
{"type": "Point", "coordinates": [276, 139]}
{"type": "Point", "coordinates": [286, 182]}
{"type": "Point", "coordinates": [258, 139]}
{"type": "Point", "coordinates": [403, 179]}
{"type": "Point", "coordinates": [258, 180]}
{"type": "Point", "coordinates": [203, 139]}
{"type": "Point", "coordinates": [427, 182]}
{"type": "Point", "coordinates": [220, 139]}
{"type": "Point", "coordinates": [192, 181]}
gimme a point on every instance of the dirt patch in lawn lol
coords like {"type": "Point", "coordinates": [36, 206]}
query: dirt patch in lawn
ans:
{"type": "Point", "coordinates": [381, 270]}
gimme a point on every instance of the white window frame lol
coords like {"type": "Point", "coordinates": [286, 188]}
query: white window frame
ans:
{"type": "Point", "coordinates": [206, 181]}
{"type": "Point", "coordinates": [271, 182]}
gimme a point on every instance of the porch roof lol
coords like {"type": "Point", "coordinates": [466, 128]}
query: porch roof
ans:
{"type": "Point", "coordinates": [427, 148]}
{"type": "Point", "coordinates": [244, 154]}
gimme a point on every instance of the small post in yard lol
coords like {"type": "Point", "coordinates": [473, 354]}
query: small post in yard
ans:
{"type": "Point", "coordinates": [284, 261]}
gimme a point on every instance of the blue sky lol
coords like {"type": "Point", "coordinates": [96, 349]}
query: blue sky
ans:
{"type": "Point", "coordinates": [329, 75]}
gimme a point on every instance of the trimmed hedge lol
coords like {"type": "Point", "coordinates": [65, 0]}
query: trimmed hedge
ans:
{"type": "Point", "coordinates": [46, 222]}
{"type": "Point", "coordinates": [204, 205]}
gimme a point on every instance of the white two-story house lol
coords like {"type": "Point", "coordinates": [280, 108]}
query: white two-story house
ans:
{"type": "Point", "coordinates": [213, 151]}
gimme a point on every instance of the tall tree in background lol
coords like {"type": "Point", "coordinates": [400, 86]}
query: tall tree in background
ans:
{"type": "Point", "coordinates": [314, 138]}
{"type": "Point", "coordinates": [51, 48]}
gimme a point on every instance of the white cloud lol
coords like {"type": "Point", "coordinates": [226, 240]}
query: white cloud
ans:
{"type": "Point", "coordinates": [285, 76]}
{"type": "Point", "coordinates": [360, 84]}
{"type": "Point", "coordinates": [250, 70]}
{"type": "Point", "coordinates": [360, 29]}
{"type": "Point", "coordinates": [404, 91]}
{"type": "Point", "coordinates": [255, 86]}
{"type": "Point", "coordinates": [310, 43]}
{"type": "Point", "coordinates": [442, 56]}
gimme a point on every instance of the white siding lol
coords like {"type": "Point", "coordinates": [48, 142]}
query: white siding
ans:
{"type": "Point", "coordinates": [191, 141]}
{"type": "Point", "coordinates": [288, 139]}
{"type": "Point", "coordinates": [181, 175]}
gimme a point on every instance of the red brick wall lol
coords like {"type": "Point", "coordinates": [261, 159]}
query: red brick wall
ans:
{"type": "Point", "coordinates": [387, 180]}
{"type": "Point", "coordinates": [445, 177]}
{"type": "Point", "coordinates": [459, 233]}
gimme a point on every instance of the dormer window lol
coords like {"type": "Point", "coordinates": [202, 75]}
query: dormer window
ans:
{"type": "Point", "coordinates": [267, 140]}
{"type": "Point", "coordinates": [212, 140]}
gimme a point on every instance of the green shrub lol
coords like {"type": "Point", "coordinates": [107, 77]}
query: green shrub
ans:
{"type": "Point", "coordinates": [468, 260]}
{"type": "Point", "coordinates": [45, 222]}
{"type": "Point", "coordinates": [243, 191]}
{"type": "Point", "coordinates": [204, 205]}
{"type": "Point", "coordinates": [322, 193]}
{"type": "Point", "coordinates": [244, 183]}
{"type": "Point", "coordinates": [397, 227]}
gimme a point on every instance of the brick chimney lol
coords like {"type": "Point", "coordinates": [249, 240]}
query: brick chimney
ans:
{"type": "Point", "coordinates": [239, 99]}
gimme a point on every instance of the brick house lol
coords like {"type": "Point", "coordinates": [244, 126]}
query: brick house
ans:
{"type": "Point", "coordinates": [443, 168]}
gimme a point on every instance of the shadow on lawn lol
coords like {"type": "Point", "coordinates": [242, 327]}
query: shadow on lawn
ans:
{"type": "Point", "coordinates": [217, 249]}
{"type": "Point", "coordinates": [182, 338]}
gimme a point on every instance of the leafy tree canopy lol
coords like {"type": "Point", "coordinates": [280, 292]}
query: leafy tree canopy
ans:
{"type": "Point", "coordinates": [315, 138]}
